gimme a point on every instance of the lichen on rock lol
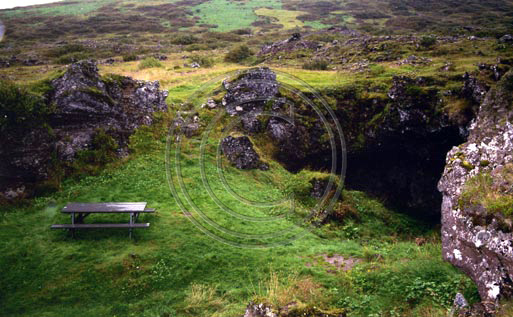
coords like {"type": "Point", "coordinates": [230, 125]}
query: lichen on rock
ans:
{"type": "Point", "coordinates": [474, 237]}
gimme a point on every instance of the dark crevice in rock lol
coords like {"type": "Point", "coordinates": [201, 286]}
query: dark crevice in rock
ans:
{"type": "Point", "coordinates": [396, 140]}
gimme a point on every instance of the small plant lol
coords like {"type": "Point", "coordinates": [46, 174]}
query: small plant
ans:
{"type": "Point", "coordinates": [238, 54]}
{"type": "Point", "coordinates": [203, 61]}
{"type": "Point", "coordinates": [507, 82]}
{"type": "Point", "coordinates": [428, 41]}
{"type": "Point", "coordinates": [316, 64]}
{"type": "Point", "coordinates": [280, 290]}
{"type": "Point", "coordinates": [202, 300]}
{"type": "Point", "coordinates": [185, 39]}
{"type": "Point", "coordinates": [150, 62]}
{"type": "Point", "coordinates": [490, 191]}
{"type": "Point", "coordinates": [104, 147]}
{"type": "Point", "coordinates": [20, 108]}
{"type": "Point", "coordinates": [376, 69]}
{"type": "Point", "coordinates": [130, 57]}
{"type": "Point", "coordinates": [72, 58]}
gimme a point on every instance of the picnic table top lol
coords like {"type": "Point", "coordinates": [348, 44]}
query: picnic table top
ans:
{"type": "Point", "coordinates": [104, 207]}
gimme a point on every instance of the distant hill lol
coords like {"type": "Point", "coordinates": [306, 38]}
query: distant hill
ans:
{"type": "Point", "coordinates": [93, 18]}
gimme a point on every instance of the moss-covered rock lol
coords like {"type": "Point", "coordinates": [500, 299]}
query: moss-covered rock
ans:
{"type": "Point", "coordinates": [74, 120]}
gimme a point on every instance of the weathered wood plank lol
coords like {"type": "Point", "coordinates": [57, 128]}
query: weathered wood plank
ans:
{"type": "Point", "coordinates": [104, 207]}
{"type": "Point", "coordinates": [100, 225]}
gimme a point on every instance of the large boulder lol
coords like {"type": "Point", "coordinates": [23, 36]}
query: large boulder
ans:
{"type": "Point", "coordinates": [84, 103]}
{"type": "Point", "coordinates": [477, 198]}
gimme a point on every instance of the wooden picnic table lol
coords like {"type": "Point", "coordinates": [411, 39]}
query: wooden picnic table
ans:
{"type": "Point", "coordinates": [79, 211]}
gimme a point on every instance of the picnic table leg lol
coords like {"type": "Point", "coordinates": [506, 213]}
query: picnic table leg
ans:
{"type": "Point", "coordinates": [81, 216]}
{"type": "Point", "coordinates": [131, 223]}
{"type": "Point", "coordinates": [73, 222]}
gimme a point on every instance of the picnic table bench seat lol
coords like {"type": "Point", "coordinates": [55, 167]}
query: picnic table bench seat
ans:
{"type": "Point", "coordinates": [100, 225]}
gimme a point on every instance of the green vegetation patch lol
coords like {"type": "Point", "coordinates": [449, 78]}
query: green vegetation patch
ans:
{"type": "Point", "coordinates": [150, 62]}
{"type": "Point", "coordinates": [20, 107]}
{"type": "Point", "coordinates": [231, 15]}
{"type": "Point", "coordinates": [287, 18]}
{"type": "Point", "coordinates": [492, 191]}
{"type": "Point", "coordinates": [61, 8]}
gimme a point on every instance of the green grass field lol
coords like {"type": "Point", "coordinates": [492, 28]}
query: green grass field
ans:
{"type": "Point", "coordinates": [63, 8]}
{"type": "Point", "coordinates": [174, 269]}
{"type": "Point", "coordinates": [231, 15]}
{"type": "Point", "coordinates": [288, 19]}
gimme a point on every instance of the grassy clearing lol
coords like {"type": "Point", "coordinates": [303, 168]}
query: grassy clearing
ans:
{"type": "Point", "coordinates": [62, 8]}
{"type": "Point", "coordinates": [229, 15]}
{"type": "Point", "coordinates": [287, 18]}
{"type": "Point", "coordinates": [173, 269]}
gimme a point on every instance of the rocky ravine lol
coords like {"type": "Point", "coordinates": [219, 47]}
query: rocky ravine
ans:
{"type": "Point", "coordinates": [405, 128]}
{"type": "Point", "coordinates": [84, 104]}
{"type": "Point", "coordinates": [476, 236]}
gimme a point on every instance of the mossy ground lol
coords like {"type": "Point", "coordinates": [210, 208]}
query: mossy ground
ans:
{"type": "Point", "coordinates": [173, 269]}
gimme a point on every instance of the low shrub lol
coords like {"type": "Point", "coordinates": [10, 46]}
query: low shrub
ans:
{"type": "Point", "coordinates": [242, 31]}
{"type": "Point", "coordinates": [197, 47]}
{"type": "Point", "coordinates": [221, 36]}
{"type": "Point", "coordinates": [91, 161]}
{"type": "Point", "coordinates": [72, 58]}
{"type": "Point", "coordinates": [507, 82]}
{"type": "Point", "coordinates": [489, 191]}
{"type": "Point", "coordinates": [428, 41]}
{"type": "Point", "coordinates": [316, 64]}
{"type": "Point", "coordinates": [203, 61]}
{"type": "Point", "coordinates": [130, 57]}
{"type": "Point", "coordinates": [67, 49]}
{"type": "Point", "coordinates": [185, 39]}
{"type": "Point", "coordinates": [20, 108]}
{"type": "Point", "coordinates": [238, 54]}
{"type": "Point", "coordinates": [150, 62]}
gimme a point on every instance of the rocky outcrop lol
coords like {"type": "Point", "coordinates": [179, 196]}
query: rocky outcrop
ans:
{"type": "Point", "coordinates": [406, 129]}
{"type": "Point", "coordinates": [477, 187]}
{"type": "Point", "coordinates": [83, 104]}
{"type": "Point", "coordinates": [254, 97]}
{"type": "Point", "coordinates": [473, 89]}
{"type": "Point", "coordinates": [259, 310]}
{"type": "Point", "coordinates": [508, 38]}
{"type": "Point", "coordinates": [240, 152]}
{"type": "Point", "coordinates": [295, 42]}
{"type": "Point", "coordinates": [247, 95]}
